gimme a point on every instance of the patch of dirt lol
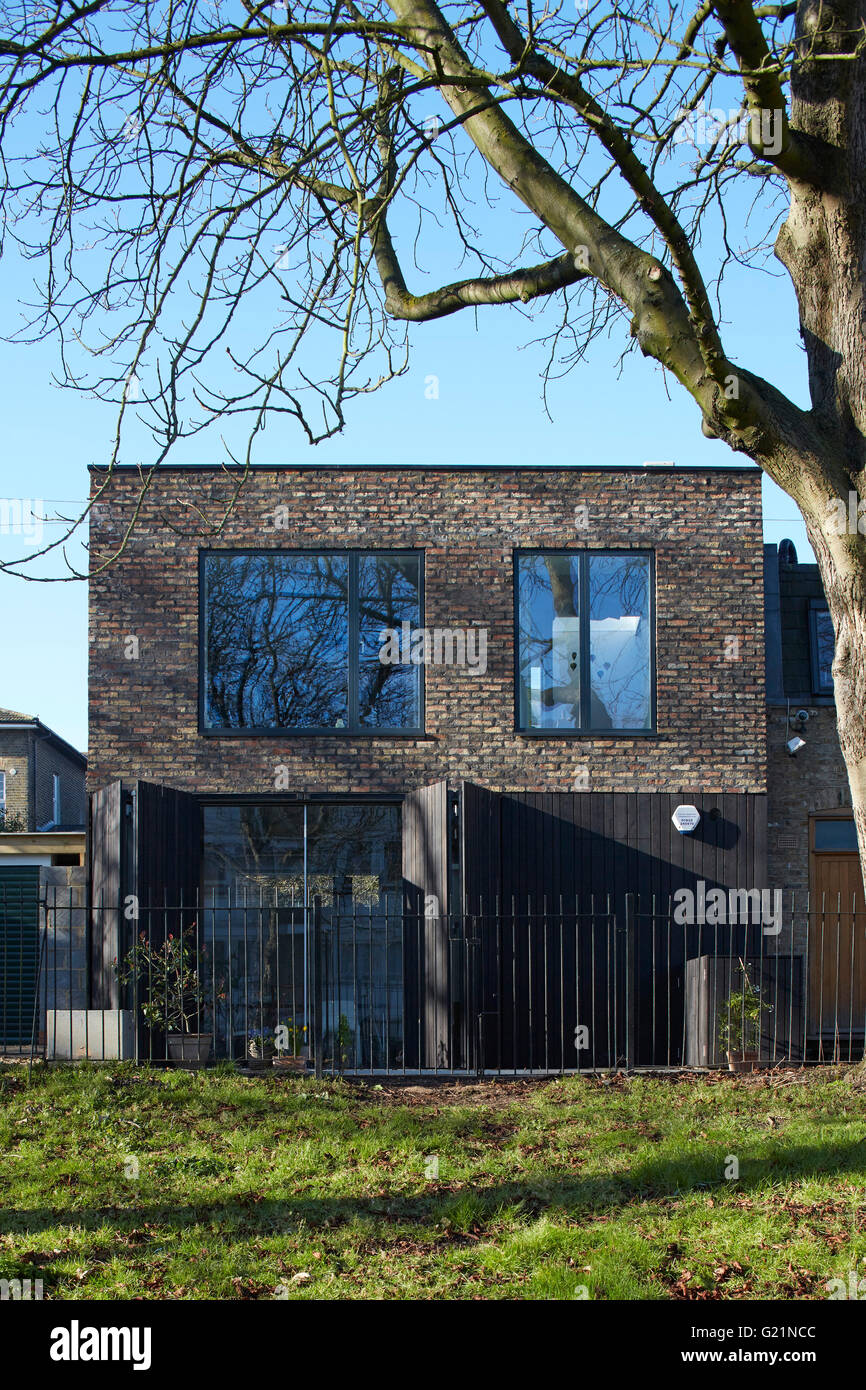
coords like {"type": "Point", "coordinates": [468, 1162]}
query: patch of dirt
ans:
{"type": "Point", "coordinates": [492, 1093]}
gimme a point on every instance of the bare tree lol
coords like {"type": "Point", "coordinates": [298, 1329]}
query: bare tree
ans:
{"type": "Point", "coordinates": [171, 165]}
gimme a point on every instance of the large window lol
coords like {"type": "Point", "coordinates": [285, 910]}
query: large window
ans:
{"type": "Point", "coordinates": [303, 918]}
{"type": "Point", "coordinates": [292, 641]}
{"type": "Point", "coordinates": [585, 649]}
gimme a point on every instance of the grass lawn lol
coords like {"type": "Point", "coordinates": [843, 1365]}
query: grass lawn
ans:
{"type": "Point", "coordinates": [119, 1182]}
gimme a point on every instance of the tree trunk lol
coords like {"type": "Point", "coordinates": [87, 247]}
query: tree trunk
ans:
{"type": "Point", "coordinates": [842, 565]}
{"type": "Point", "coordinates": [823, 247]}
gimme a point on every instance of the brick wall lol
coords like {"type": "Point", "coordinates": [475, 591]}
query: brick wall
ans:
{"type": "Point", "coordinates": [815, 780]}
{"type": "Point", "coordinates": [51, 760]}
{"type": "Point", "coordinates": [704, 526]}
{"type": "Point", "coordinates": [26, 749]}
{"type": "Point", "coordinates": [14, 748]}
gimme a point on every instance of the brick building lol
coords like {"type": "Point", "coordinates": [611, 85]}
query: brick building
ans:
{"type": "Point", "coordinates": [812, 839]}
{"type": "Point", "coordinates": [42, 827]}
{"type": "Point", "coordinates": [702, 727]}
{"type": "Point", "coordinates": [42, 777]}
{"type": "Point", "coordinates": [460, 686]}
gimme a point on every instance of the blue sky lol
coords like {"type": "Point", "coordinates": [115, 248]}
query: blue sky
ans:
{"type": "Point", "coordinates": [489, 410]}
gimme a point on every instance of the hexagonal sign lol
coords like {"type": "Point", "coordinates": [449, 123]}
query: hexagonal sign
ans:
{"type": "Point", "coordinates": [686, 819]}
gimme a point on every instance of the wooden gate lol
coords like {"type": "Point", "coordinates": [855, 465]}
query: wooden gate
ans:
{"type": "Point", "coordinates": [19, 952]}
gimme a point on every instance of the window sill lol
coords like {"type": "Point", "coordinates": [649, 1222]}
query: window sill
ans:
{"type": "Point", "coordinates": [387, 735]}
{"type": "Point", "coordinates": [594, 734]}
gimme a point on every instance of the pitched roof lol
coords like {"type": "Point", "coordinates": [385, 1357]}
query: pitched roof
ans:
{"type": "Point", "coordinates": [13, 716]}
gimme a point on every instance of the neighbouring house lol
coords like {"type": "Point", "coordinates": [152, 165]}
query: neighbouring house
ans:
{"type": "Point", "coordinates": [43, 813]}
{"type": "Point", "coordinates": [405, 748]}
{"type": "Point", "coordinates": [42, 789]}
{"type": "Point", "coordinates": [812, 842]}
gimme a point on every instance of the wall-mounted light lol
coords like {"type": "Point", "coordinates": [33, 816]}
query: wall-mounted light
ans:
{"type": "Point", "coordinates": [794, 745]}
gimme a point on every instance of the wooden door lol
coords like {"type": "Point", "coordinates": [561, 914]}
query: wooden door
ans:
{"type": "Point", "coordinates": [837, 933]}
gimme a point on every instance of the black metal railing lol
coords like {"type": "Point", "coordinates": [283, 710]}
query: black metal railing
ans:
{"type": "Point", "coordinates": [378, 987]}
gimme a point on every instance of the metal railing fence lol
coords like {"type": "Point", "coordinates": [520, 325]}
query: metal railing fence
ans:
{"type": "Point", "coordinates": [379, 988]}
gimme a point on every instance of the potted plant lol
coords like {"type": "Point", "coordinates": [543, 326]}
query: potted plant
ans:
{"type": "Point", "coordinates": [175, 992]}
{"type": "Point", "coordinates": [343, 1041]}
{"type": "Point", "coordinates": [261, 1047]}
{"type": "Point", "coordinates": [291, 1049]}
{"type": "Point", "coordinates": [740, 1024]}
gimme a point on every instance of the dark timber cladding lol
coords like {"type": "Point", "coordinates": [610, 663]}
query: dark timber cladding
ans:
{"type": "Point", "coordinates": [427, 973]}
{"type": "Point", "coordinates": [145, 843]}
{"type": "Point", "coordinates": [105, 853]}
{"type": "Point", "coordinates": [584, 881]}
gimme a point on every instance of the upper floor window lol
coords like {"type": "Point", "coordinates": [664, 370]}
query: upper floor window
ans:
{"type": "Point", "coordinates": [55, 798]}
{"type": "Point", "coordinates": [585, 641]}
{"type": "Point", "coordinates": [2, 791]}
{"type": "Point", "coordinates": [823, 646]}
{"type": "Point", "coordinates": [294, 640]}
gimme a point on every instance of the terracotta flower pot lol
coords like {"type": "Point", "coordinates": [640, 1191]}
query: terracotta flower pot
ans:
{"type": "Point", "coordinates": [290, 1063]}
{"type": "Point", "coordinates": [742, 1061]}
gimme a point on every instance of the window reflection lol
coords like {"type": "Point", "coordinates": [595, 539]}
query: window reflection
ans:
{"type": "Point", "coordinates": [278, 879]}
{"type": "Point", "coordinates": [292, 641]}
{"type": "Point", "coordinates": [587, 669]}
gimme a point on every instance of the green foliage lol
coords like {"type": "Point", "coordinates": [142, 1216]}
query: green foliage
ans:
{"type": "Point", "coordinates": [173, 984]}
{"type": "Point", "coordinates": [740, 1019]}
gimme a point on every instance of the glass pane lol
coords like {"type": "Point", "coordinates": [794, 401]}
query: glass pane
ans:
{"type": "Point", "coordinates": [619, 639]}
{"type": "Point", "coordinates": [835, 834]}
{"type": "Point", "coordinates": [354, 854]}
{"type": "Point", "coordinates": [250, 850]}
{"type": "Point", "coordinates": [253, 879]}
{"type": "Point", "coordinates": [825, 646]}
{"type": "Point", "coordinates": [276, 634]}
{"type": "Point", "coordinates": [549, 641]}
{"type": "Point", "coordinates": [354, 858]}
{"type": "Point", "coordinates": [389, 694]}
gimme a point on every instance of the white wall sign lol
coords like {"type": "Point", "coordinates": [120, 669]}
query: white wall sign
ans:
{"type": "Point", "coordinates": [686, 819]}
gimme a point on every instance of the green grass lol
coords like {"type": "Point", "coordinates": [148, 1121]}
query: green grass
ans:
{"type": "Point", "coordinates": [119, 1182]}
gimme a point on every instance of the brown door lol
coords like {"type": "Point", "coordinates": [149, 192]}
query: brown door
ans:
{"type": "Point", "coordinates": [837, 933]}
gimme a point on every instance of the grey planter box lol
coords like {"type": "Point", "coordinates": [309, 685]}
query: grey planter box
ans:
{"type": "Point", "coordinates": [709, 982]}
{"type": "Point", "coordinates": [99, 1034]}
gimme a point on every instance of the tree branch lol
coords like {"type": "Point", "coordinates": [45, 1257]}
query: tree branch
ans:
{"type": "Point", "coordinates": [771, 137]}
{"type": "Point", "coordinates": [521, 285]}
{"type": "Point", "coordinates": [735, 405]}
{"type": "Point", "coordinates": [564, 85]}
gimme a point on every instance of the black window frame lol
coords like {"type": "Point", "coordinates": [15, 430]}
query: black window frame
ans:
{"type": "Point", "coordinates": [817, 606]}
{"type": "Point", "coordinates": [583, 553]}
{"type": "Point", "coordinates": [353, 729]}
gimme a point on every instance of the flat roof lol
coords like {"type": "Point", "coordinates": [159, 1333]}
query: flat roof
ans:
{"type": "Point", "coordinates": [130, 468]}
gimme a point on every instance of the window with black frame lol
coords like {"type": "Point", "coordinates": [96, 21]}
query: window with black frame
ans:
{"type": "Point", "coordinates": [584, 641]}
{"type": "Point", "coordinates": [294, 641]}
{"type": "Point", "coordinates": [823, 648]}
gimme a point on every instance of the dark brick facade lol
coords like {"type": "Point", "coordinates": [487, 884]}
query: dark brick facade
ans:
{"type": "Point", "coordinates": [816, 780]}
{"type": "Point", "coordinates": [703, 525]}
